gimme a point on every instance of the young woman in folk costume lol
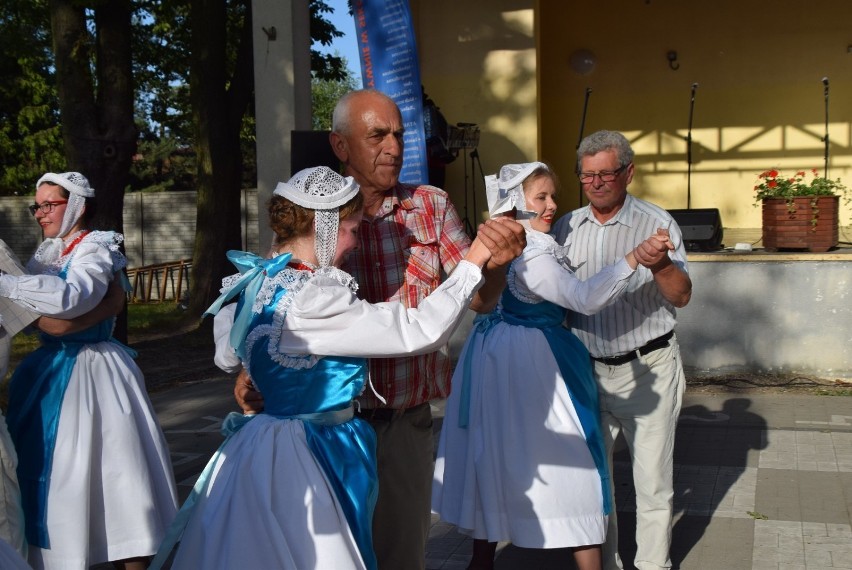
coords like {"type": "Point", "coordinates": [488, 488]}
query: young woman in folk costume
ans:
{"type": "Point", "coordinates": [93, 465]}
{"type": "Point", "coordinates": [521, 457]}
{"type": "Point", "coordinates": [295, 486]}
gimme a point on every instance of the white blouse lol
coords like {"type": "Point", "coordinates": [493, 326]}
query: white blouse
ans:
{"type": "Point", "coordinates": [93, 263]}
{"type": "Point", "coordinates": [542, 273]}
{"type": "Point", "coordinates": [326, 318]}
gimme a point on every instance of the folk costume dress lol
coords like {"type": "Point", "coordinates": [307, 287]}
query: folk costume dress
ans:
{"type": "Point", "coordinates": [295, 486]}
{"type": "Point", "coordinates": [521, 457]}
{"type": "Point", "coordinates": [93, 465]}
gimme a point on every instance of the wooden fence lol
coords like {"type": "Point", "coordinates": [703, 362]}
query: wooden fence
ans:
{"type": "Point", "coordinates": [160, 282]}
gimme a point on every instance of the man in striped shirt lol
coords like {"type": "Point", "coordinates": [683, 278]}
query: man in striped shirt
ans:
{"type": "Point", "coordinates": [635, 354]}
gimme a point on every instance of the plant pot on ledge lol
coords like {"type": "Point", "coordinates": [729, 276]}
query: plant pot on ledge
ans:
{"type": "Point", "coordinates": [808, 223]}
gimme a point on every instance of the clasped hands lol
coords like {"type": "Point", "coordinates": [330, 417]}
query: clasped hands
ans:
{"type": "Point", "coordinates": [653, 253]}
{"type": "Point", "coordinates": [505, 239]}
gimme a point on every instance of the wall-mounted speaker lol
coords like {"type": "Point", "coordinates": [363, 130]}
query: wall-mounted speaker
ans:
{"type": "Point", "coordinates": [701, 228]}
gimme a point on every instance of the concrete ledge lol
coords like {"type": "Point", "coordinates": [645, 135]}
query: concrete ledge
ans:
{"type": "Point", "coordinates": [773, 312]}
{"type": "Point", "coordinates": [761, 255]}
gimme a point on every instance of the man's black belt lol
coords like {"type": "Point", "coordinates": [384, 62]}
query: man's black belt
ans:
{"type": "Point", "coordinates": [387, 414]}
{"type": "Point", "coordinates": [656, 344]}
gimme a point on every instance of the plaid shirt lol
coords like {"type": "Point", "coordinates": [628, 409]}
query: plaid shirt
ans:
{"type": "Point", "coordinates": [400, 256]}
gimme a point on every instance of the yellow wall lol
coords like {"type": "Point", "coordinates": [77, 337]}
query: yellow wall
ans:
{"type": "Point", "coordinates": [478, 63]}
{"type": "Point", "coordinates": [760, 101]}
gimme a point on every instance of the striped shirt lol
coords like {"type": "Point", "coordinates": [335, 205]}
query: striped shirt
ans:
{"type": "Point", "coordinates": [641, 314]}
{"type": "Point", "coordinates": [403, 251]}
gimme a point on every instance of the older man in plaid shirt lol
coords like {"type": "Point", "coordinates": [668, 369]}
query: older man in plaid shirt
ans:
{"type": "Point", "coordinates": [409, 237]}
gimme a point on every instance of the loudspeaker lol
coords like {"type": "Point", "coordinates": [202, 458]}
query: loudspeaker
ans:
{"type": "Point", "coordinates": [311, 148]}
{"type": "Point", "coordinates": [701, 228]}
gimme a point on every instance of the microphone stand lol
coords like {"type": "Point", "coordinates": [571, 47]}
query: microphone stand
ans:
{"type": "Point", "coordinates": [580, 138]}
{"type": "Point", "coordinates": [468, 227]}
{"type": "Point", "coordinates": [474, 157]}
{"type": "Point", "coordinates": [689, 148]}
{"type": "Point", "coordinates": [825, 139]}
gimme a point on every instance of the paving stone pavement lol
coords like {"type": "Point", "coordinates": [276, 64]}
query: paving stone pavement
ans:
{"type": "Point", "coordinates": [762, 481]}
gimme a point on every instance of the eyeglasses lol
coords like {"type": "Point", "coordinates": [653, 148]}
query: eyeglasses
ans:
{"type": "Point", "coordinates": [45, 207]}
{"type": "Point", "coordinates": [604, 175]}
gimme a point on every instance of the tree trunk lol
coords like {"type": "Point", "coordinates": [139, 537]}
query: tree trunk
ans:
{"type": "Point", "coordinates": [218, 104]}
{"type": "Point", "coordinates": [97, 112]}
{"type": "Point", "coordinates": [98, 129]}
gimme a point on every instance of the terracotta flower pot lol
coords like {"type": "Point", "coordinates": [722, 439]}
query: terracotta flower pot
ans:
{"type": "Point", "coordinates": [808, 223]}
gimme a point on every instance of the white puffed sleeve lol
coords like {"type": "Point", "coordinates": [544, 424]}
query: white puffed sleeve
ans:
{"type": "Point", "coordinates": [327, 319]}
{"type": "Point", "coordinates": [542, 276]}
{"type": "Point", "coordinates": [85, 285]}
{"type": "Point", "coordinates": [225, 357]}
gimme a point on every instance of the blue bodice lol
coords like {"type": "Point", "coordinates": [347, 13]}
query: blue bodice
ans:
{"type": "Point", "coordinates": [298, 384]}
{"type": "Point", "coordinates": [306, 387]}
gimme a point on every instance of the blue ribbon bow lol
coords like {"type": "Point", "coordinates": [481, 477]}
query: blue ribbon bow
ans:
{"type": "Point", "coordinates": [254, 270]}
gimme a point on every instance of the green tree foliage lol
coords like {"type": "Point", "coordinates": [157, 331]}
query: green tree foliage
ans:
{"type": "Point", "coordinates": [325, 66]}
{"type": "Point", "coordinates": [30, 125]}
{"type": "Point", "coordinates": [326, 92]}
{"type": "Point", "coordinates": [166, 157]}
{"type": "Point", "coordinates": [30, 138]}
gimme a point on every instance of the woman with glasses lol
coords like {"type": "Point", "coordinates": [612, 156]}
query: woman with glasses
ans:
{"type": "Point", "coordinates": [94, 470]}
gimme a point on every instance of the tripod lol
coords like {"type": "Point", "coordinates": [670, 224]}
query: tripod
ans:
{"type": "Point", "coordinates": [470, 227]}
{"type": "Point", "coordinates": [466, 136]}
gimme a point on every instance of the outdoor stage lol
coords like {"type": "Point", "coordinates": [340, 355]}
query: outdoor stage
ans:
{"type": "Point", "coordinates": [760, 312]}
{"type": "Point", "coordinates": [764, 311]}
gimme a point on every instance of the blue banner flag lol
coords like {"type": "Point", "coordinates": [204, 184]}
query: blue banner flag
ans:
{"type": "Point", "coordinates": [388, 55]}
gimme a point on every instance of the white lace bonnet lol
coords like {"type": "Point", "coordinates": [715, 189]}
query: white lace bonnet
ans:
{"type": "Point", "coordinates": [78, 188]}
{"type": "Point", "coordinates": [323, 190]}
{"type": "Point", "coordinates": [506, 192]}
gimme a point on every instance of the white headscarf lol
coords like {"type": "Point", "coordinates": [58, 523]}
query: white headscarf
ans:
{"type": "Point", "coordinates": [78, 190]}
{"type": "Point", "coordinates": [323, 190]}
{"type": "Point", "coordinates": [507, 192]}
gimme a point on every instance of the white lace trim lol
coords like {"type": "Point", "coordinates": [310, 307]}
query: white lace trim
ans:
{"type": "Point", "coordinates": [112, 241]}
{"type": "Point", "coordinates": [293, 280]}
{"type": "Point", "coordinates": [73, 213]}
{"type": "Point", "coordinates": [229, 281]}
{"type": "Point", "coordinates": [47, 261]}
{"type": "Point", "coordinates": [340, 276]}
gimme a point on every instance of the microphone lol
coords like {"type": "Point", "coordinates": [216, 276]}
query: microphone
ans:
{"type": "Point", "coordinates": [825, 81]}
{"type": "Point", "coordinates": [695, 85]}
